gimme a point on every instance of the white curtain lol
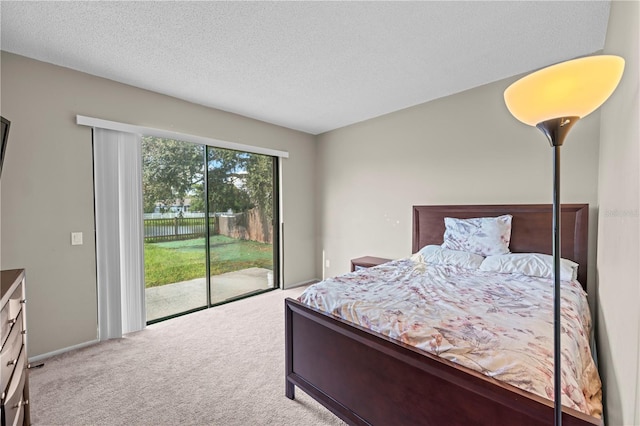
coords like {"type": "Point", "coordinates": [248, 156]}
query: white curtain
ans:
{"type": "Point", "coordinates": [117, 163]}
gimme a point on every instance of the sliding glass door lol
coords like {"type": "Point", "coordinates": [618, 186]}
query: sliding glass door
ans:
{"type": "Point", "coordinates": [209, 221]}
{"type": "Point", "coordinates": [174, 227]}
{"type": "Point", "coordinates": [241, 203]}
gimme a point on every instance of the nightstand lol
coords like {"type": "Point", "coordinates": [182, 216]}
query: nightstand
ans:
{"type": "Point", "coordinates": [367, 262]}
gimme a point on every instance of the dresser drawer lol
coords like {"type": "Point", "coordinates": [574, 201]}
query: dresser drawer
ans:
{"type": "Point", "coordinates": [10, 352]}
{"type": "Point", "coordinates": [10, 311]}
{"type": "Point", "coordinates": [14, 404]}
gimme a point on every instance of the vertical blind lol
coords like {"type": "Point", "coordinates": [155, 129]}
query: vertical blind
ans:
{"type": "Point", "coordinates": [119, 232]}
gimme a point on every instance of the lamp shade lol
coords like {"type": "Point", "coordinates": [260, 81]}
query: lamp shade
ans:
{"type": "Point", "coordinates": [574, 88]}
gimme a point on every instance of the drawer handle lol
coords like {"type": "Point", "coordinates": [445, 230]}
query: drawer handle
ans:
{"type": "Point", "coordinates": [13, 320]}
{"type": "Point", "coordinates": [23, 301]}
{"type": "Point", "coordinates": [14, 362]}
{"type": "Point", "coordinates": [21, 403]}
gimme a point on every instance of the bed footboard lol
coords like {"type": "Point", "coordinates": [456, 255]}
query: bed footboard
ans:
{"type": "Point", "coordinates": [366, 378]}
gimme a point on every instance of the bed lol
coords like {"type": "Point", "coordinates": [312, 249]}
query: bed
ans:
{"type": "Point", "coordinates": [365, 377]}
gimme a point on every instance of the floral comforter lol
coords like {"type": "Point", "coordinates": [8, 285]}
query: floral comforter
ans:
{"type": "Point", "coordinates": [498, 324]}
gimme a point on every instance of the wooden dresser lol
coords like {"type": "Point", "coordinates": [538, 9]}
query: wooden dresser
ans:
{"type": "Point", "coordinates": [13, 353]}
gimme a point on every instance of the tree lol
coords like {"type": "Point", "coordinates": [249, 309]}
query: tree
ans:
{"type": "Point", "coordinates": [260, 183]}
{"type": "Point", "coordinates": [174, 170]}
{"type": "Point", "coordinates": [170, 169]}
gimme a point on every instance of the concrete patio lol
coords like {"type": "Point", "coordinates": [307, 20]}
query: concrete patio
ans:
{"type": "Point", "coordinates": [171, 299]}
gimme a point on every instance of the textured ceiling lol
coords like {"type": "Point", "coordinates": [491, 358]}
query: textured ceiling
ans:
{"type": "Point", "coordinates": [310, 66]}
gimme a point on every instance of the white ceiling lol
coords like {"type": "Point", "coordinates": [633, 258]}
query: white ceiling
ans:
{"type": "Point", "coordinates": [310, 66]}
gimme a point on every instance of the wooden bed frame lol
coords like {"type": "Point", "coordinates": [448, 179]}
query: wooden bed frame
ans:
{"type": "Point", "coordinates": [367, 378]}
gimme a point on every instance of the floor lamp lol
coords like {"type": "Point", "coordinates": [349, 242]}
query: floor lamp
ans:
{"type": "Point", "coordinates": [553, 99]}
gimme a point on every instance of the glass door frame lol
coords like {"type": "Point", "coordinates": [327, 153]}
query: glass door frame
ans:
{"type": "Point", "coordinates": [277, 248]}
{"type": "Point", "coordinates": [276, 229]}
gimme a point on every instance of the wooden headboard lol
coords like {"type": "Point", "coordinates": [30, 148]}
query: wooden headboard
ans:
{"type": "Point", "coordinates": [531, 228]}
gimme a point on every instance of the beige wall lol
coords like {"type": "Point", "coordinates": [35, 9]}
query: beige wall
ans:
{"type": "Point", "coordinates": [462, 149]}
{"type": "Point", "coordinates": [47, 186]}
{"type": "Point", "coordinates": [618, 227]}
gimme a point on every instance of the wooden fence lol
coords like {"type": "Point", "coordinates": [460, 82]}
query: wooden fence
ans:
{"type": "Point", "coordinates": [178, 228]}
{"type": "Point", "coordinates": [250, 225]}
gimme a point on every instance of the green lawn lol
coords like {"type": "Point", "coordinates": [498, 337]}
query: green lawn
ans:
{"type": "Point", "coordinates": [176, 261]}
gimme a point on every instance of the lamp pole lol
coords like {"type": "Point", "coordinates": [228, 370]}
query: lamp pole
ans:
{"type": "Point", "coordinates": [556, 130]}
{"type": "Point", "coordinates": [553, 99]}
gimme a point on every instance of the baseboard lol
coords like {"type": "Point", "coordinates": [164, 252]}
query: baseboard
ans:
{"type": "Point", "coordinates": [300, 284]}
{"type": "Point", "coordinates": [39, 358]}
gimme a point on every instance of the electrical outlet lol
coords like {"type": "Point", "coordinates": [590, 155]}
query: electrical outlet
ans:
{"type": "Point", "coordinates": [327, 263]}
{"type": "Point", "coordinates": [76, 238]}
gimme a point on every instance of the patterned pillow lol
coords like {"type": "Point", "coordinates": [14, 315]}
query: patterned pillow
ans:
{"type": "Point", "coordinates": [486, 236]}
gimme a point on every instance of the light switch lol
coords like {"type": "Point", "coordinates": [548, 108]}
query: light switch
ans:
{"type": "Point", "coordinates": [76, 238]}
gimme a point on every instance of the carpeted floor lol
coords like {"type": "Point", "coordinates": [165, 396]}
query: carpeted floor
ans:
{"type": "Point", "coordinates": [221, 366]}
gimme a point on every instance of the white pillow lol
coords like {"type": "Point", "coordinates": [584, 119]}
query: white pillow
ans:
{"type": "Point", "coordinates": [440, 256]}
{"type": "Point", "coordinates": [486, 236]}
{"type": "Point", "coordinates": [531, 264]}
